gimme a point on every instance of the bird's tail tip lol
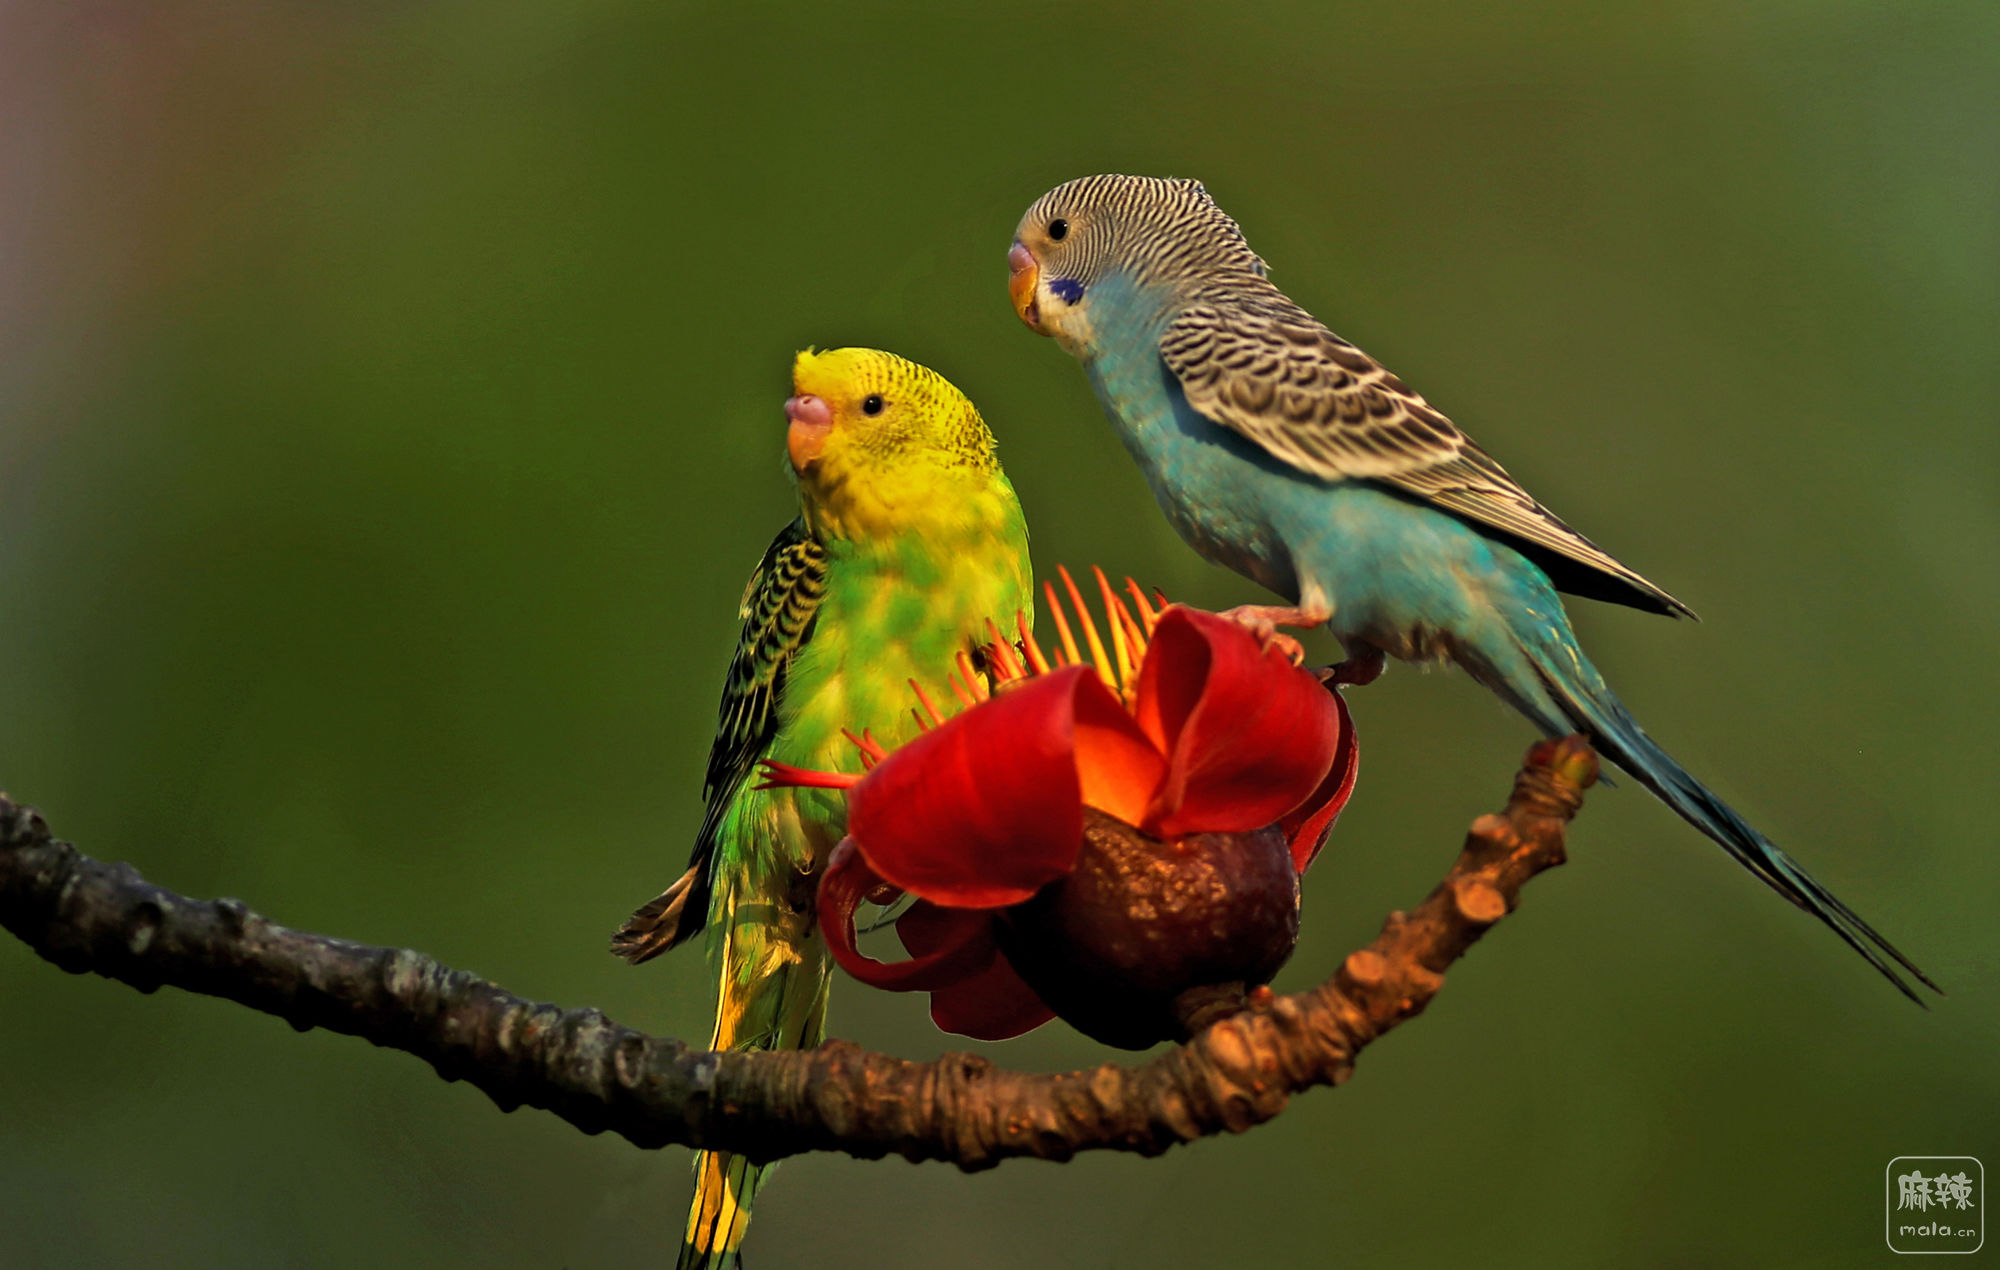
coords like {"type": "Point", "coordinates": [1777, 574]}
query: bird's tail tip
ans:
{"type": "Point", "coordinates": [659, 924]}
{"type": "Point", "coordinates": [1578, 695]}
{"type": "Point", "coordinates": [720, 1213]}
{"type": "Point", "coordinates": [1803, 889]}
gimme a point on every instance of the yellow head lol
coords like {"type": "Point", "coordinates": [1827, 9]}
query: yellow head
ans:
{"type": "Point", "coordinates": [883, 446]}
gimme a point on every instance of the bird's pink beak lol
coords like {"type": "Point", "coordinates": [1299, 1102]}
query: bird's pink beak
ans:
{"type": "Point", "coordinates": [1024, 276]}
{"type": "Point", "coordinates": [811, 424]}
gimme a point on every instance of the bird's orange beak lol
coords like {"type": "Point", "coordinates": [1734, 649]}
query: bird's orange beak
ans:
{"type": "Point", "coordinates": [1023, 278]}
{"type": "Point", "coordinates": [811, 424]}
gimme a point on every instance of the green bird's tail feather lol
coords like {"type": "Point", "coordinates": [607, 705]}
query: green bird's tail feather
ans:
{"type": "Point", "coordinates": [772, 995]}
{"type": "Point", "coordinates": [725, 1184]}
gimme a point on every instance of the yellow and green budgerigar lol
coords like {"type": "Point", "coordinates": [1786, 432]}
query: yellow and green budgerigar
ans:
{"type": "Point", "coordinates": [909, 540]}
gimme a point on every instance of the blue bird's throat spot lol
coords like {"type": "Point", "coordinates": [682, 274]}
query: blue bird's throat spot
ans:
{"type": "Point", "coordinates": [1068, 290]}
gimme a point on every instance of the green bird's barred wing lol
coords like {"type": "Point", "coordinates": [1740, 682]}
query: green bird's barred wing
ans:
{"type": "Point", "coordinates": [778, 610]}
{"type": "Point", "coordinates": [1249, 358]}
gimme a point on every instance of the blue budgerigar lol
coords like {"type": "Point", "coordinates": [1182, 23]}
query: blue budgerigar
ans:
{"type": "Point", "coordinates": [1284, 452]}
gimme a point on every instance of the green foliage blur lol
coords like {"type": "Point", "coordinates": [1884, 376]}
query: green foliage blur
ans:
{"type": "Point", "coordinates": [389, 416]}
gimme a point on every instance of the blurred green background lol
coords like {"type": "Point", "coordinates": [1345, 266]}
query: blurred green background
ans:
{"type": "Point", "coordinates": [389, 418]}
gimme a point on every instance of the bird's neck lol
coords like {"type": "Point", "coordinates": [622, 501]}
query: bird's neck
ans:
{"type": "Point", "coordinates": [870, 511]}
{"type": "Point", "coordinates": [1122, 317]}
{"type": "Point", "coordinates": [1122, 357]}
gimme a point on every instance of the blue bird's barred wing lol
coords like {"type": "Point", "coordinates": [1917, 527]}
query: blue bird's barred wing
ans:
{"type": "Point", "coordinates": [1249, 358]}
{"type": "Point", "coordinates": [778, 609]}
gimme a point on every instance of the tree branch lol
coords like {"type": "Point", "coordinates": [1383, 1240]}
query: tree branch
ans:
{"type": "Point", "coordinates": [90, 917]}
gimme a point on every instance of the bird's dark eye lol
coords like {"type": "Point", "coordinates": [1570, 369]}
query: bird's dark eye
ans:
{"type": "Point", "coordinates": [1058, 229]}
{"type": "Point", "coordinates": [872, 404]}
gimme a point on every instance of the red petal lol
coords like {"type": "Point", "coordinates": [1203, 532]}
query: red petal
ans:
{"type": "Point", "coordinates": [988, 1005]}
{"type": "Point", "coordinates": [1309, 823]}
{"type": "Point", "coordinates": [951, 953]}
{"type": "Point", "coordinates": [992, 1005]}
{"type": "Point", "coordinates": [986, 809]}
{"type": "Point", "coordinates": [1248, 735]}
{"type": "Point", "coordinates": [1119, 769]}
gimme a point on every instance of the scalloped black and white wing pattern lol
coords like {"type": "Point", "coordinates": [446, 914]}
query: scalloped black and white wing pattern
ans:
{"type": "Point", "coordinates": [779, 604]}
{"type": "Point", "coordinates": [1255, 362]}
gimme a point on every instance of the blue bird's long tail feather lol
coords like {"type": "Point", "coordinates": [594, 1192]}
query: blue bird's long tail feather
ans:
{"type": "Point", "coordinates": [1555, 685]}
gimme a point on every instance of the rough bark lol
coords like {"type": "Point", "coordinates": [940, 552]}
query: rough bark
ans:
{"type": "Point", "coordinates": [89, 917]}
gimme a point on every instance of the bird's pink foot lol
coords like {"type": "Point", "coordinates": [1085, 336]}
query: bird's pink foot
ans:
{"type": "Point", "coordinates": [1263, 621]}
{"type": "Point", "coordinates": [1294, 651]}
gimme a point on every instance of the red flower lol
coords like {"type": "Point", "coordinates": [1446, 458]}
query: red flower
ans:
{"type": "Point", "coordinates": [1210, 733]}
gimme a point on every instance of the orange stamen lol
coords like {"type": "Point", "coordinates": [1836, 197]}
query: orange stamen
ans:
{"type": "Point", "coordinates": [924, 700]}
{"type": "Point", "coordinates": [1007, 661]}
{"type": "Point", "coordinates": [980, 684]}
{"type": "Point", "coordinates": [1002, 654]}
{"type": "Point", "coordinates": [1134, 635]}
{"type": "Point", "coordinates": [1097, 655]}
{"type": "Point", "coordinates": [1113, 612]}
{"type": "Point", "coordinates": [784, 776]}
{"type": "Point", "coordinates": [976, 684]}
{"type": "Point", "coordinates": [960, 678]}
{"type": "Point", "coordinates": [1147, 613]}
{"type": "Point", "coordinates": [870, 748]}
{"type": "Point", "coordinates": [1067, 654]}
{"type": "Point", "coordinates": [1036, 661]}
